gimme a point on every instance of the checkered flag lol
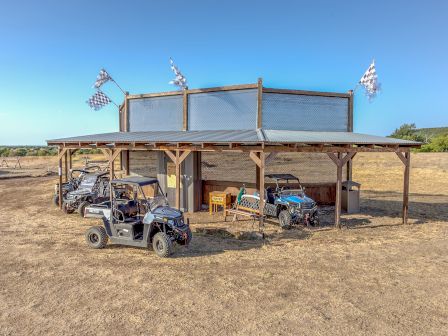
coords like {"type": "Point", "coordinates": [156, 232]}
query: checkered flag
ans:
{"type": "Point", "coordinates": [98, 100]}
{"type": "Point", "coordinates": [102, 78]}
{"type": "Point", "coordinates": [180, 80]}
{"type": "Point", "coordinates": [370, 81]}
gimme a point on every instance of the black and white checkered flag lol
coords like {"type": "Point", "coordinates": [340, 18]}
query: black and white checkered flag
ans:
{"type": "Point", "coordinates": [102, 78]}
{"type": "Point", "coordinates": [370, 81]}
{"type": "Point", "coordinates": [180, 80]}
{"type": "Point", "coordinates": [98, 100]}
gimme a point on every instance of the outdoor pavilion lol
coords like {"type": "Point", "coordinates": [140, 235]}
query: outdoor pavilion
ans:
{"type": "Point", "coordinates": [259, 144]}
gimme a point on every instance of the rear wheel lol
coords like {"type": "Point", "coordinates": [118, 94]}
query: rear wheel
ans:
{"type": "Point", "coordinates": [66, 208]}
{"type": "Point", "coordinates": [82, 207]}
{"type": "Point", "coordinates": [315, 221]}
{"type": "Point", "coordinates": [96, 237]}
{"type": "Point", "coordinates": [162, 245]}
{"type": "Point", "coordinates": [56, 200]}
{"type": "Point", "coordinates": [285, 219]}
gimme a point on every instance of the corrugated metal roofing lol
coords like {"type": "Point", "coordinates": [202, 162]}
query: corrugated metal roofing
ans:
{"type": "Point", "coordinates": [311, 137]}
{"type": "Point", "coordinates": [236, 136]}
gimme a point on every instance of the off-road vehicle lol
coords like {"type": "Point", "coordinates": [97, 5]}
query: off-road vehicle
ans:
{"type": "Point", "coordinates": [75, 178]}
{"type": "Point", "coordinates": [290, 204]}
{"type": "Point", "coordinates": [93, 188]}
{"type": "Point", "coordinates": [138, 214]}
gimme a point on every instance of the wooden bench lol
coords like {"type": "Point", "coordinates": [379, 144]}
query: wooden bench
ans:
{"type": "Point", "coordinates": [248, 207]}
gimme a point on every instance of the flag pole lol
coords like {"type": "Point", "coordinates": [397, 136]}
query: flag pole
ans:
{"type": "Point", "coordinates": [113, 80]}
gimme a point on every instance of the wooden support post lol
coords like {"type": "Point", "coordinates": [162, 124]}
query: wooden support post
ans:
{"type": "Point", "coordinates": [61, 153]}
{"type": "Point", "coordinates": [178, 158]}
{"type": "Point", "coordinates": [70, 161]}
{"type": "Point", "coordinates": [340, 161]}
{"type": "Point", "coordinates": [350, 129]}
{"type": "Point", "coordinates": [177, 163]}
{"type": "Point", "coordinates": [260, 103]}
{"type": "Point", "coordinates": [406, 159]}
{"type": "Point", "coordinates": [185, 110]}
{"type": "Point", "coordinates": [259, 159]}
{"type": "Point", "coordinates": [66, 165]}
{"type": "Point", "coordinates": [261, 188]}
{"type": "Point", "coordinates": [60, 178]}
{"type": "Point", "coordinates": [128, 167]}
{"type": "Point", "coordinates": [337, 209]}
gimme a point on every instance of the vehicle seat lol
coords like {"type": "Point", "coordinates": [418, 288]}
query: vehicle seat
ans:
{"type": "Point", "coordinates": [129, 209]}
{"type": "Point", "coordinates": [270, 195]}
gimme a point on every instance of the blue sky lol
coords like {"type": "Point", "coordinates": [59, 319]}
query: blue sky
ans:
{"type": "Point", "coordinates": [51, 52]}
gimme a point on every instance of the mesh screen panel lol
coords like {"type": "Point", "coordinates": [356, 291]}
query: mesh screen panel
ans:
{"type": "Point", "coordinates": [304, 113]}
{"type": "Point", "coordinates": [143, 163]}
{"type": "Point", "coordinates": [225, 110]}
{"type": "Point", "coordinates": [308, 167]}
{"type": "Point", "coordinates": [156, 114]}
{"type": "Point", "coordinates": [237, 167]}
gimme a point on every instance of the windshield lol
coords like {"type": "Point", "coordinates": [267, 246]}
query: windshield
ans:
{"type": "Point", "coordinates": [291, 192]}
{"type": "Point", "coordinates": [88, 182]}
{"type": "Point", "coordinates": [153, 194]}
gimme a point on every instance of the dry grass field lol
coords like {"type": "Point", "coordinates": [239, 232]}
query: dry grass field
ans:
{"type": "Point", "coordinates": [373, 277]}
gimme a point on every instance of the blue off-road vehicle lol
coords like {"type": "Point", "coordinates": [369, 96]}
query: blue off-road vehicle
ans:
{"type": "Point", "coordinates": [289, 203]}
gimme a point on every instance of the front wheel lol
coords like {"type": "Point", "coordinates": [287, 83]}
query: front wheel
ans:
{"type": "Point", "coordinates": [162, 245]}
{"type": "Point", "coordinates": [96, 237]}
{"type": "Point", "coordinates": [285, 219]}
{"type": "Point", "coordinates": [187, 238]}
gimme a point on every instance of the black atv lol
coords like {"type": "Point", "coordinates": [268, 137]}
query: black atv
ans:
{"type": "Point", "coordinates": [93, 188]}
{"type": "Point", "coordinates": [138, 214]}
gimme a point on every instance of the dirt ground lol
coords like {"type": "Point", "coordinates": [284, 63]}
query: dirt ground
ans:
{"type": "Point", "coordinates": [373, 277]}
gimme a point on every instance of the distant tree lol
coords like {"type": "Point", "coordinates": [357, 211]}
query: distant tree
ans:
{"type": "Point", "coordinates": [440, 143]}
{"type": "Point", "coordinates": [407, 132]}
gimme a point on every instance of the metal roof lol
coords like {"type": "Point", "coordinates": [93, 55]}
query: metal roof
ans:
{"type": "Point", "coordinates": [255, 136]}
{"type": "Point", "coordinates": [311, 137]}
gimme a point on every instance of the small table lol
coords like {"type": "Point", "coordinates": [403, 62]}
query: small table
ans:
{"type": "Point", "coordinates": [218, 198]}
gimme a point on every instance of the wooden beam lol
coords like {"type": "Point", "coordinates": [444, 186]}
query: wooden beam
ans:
{"type": "Point", "coordinates": [177, 163]}
{"type": "Point", "coordinates": [271, 156]}
{"type": "Point", "coordinates": [407, 170]}
{"type": "Point", "coordinates": [106, 152]}
{"type": "Point", "coordinates": [184, 156]}
{"type": "Point", "coordinates": [347, 157]}
{"type": "Point", "coordinates": [66, 165]}
{"type": "Point", "coordinates": [115, 154]}
{"type": "Point", "coordinates": [171, 155]}
{"type": "Point", "coordinates": [337, 208]}
{"type": "Point", "coordinates": [339, 161]}
{"type": "Point", "coordinates": [306, 93]}
{"type": "Point", "coordinates": [128, 167]}
{"type": "Point", "coordinates": [260, 103]}
{"type": "Point", "coordinates": [401, 157]}
{"type": "Point", "coordinates": [60, 154]}
{"type": "Point", "coordinates": [70, 156]}
{"type": "Point", "coordinates": [333, 158]}
{"type": "Point", "coordinates": [254, 156]}
{"type": "Point", "coordinates": [262, 189]}
{"type": "Point", "coordinates": [203, 90]}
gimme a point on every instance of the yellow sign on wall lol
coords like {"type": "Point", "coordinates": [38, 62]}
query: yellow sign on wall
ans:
{"type": "Point", "coordinates": [171, 174]}
{"type": "Point", "coordinates": [171, 181]}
